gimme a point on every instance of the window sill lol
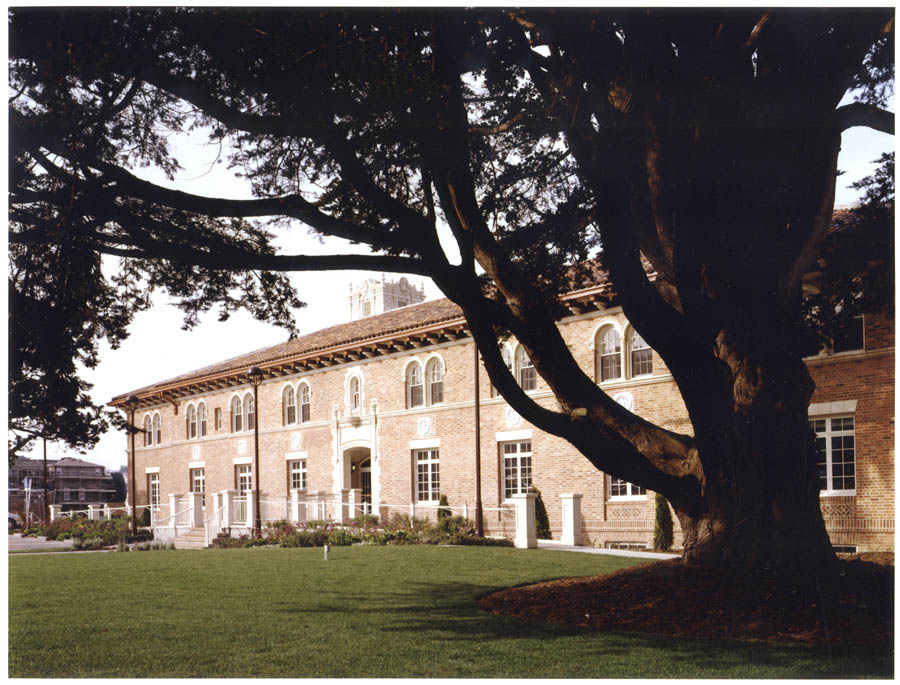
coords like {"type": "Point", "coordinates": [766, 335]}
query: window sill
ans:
{"type": "Point", "coordinates": [837, 493]}
{"type": "Point", "coordinates": [627, 498]}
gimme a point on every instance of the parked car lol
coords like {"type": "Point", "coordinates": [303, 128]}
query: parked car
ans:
{"type": "Point", "coordinates": [15, 521]}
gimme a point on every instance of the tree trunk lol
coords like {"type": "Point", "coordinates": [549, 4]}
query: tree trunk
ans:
{"type": "Point", "coordinates": [757, 461]}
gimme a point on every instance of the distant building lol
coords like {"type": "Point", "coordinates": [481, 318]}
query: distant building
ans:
{"type": "Point", "coordinates": [72, 483]}
{"type": "Point", "coordinates": [376, 297]}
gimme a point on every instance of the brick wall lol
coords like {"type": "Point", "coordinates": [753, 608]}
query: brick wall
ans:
{"type": "Point", "coordinates": [384, 428]}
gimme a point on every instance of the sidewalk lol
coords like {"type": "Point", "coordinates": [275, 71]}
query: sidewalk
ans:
{"type": "Point", "coordinates": [557, 545]}
{"type": "Point", "coordinates": [16, 542]}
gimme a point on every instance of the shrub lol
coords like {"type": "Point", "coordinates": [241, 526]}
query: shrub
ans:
{"type": "Point", "coordinates": [541, 520]}
{"type": "Point", "coordinates": [365, 520]}
{"type": "Point", "coordinates": [122, 547]}
{"type": "Point", "coordinates": [662, 529]}
{"type": "Point", "coordinates": [443, 511]}
{"type": "Point", "coordinates": [341, 537]}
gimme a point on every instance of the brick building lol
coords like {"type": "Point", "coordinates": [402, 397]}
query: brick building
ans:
{"type": "Point", "coordinates": [74, 484]}
{"type": "Point", "coordinates": [380, 412]}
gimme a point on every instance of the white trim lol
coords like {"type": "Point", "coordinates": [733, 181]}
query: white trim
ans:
{"type": "Point", "coordinates": [293, 456]}
{"type": "Point", "coordinates": [425, 444]}
{"type": "Point", "coordinates": [196, 464]}
{"type": "Point", "coordinates": [828, 408]}
{"type": "Point", "coordinates": [603, 323]}
{"type": "Point", "coordinates": [411, 360]}
{"type": "Point", "coordinates": [242, 461]}
{"type": "Point", "coordinates": [509, 436]}
{"type": "Point", "coordinates": [151, 469]}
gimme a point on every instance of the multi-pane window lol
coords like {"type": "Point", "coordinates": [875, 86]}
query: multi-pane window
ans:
{"type": "Point", "coordinates": [289, 402]}
{"type": "Point", "coordinates": [191, 421]}
{"type": "Point", "coordinates": [81, 494]}
{"type": "Point", "coordinates": [201, 419]}
{"type": "Point", "coordinates": [243, 479]}
{"type": "Point", "coordinates": [641, 356]}
{"type": "Point", "coordinates": [67, 494]}
{"type": "Point", "coordinates": [435, 372]}
{"type": "Point", "coordinates": [527, 376]}
{"type": "Point", "coordinates": [516, 467]}
{"type": "Point", "coordinates": [153, 488]}
{"type": "Point", "coordinates": [249, 412]}
{"type": "Point", "coordinates": [354, 393]}
{"type": "Point", "coordinates": [198, 480]}
{"type": "Point", "coordinates": [237, 416]}
{"type": "Point", "coordinates": [148, 434]}
{"type": "Point", "coordinates": [218, 415]}
{"type": "Point", "coordinates": [304, 403]}
{"type": "Point", "coordinates": [622, 488]}
{"type": "Point", "coordinates": [609, 355]}
{"type": "Point", "coordinates": [297, 471]}
{"type": "Point", "coordinates": [836, 448]}
{"type": "Point", "coordinates": [415, 385]}
{"type": "Point", "coordinates": [428, 484]}
{"type": "Point", "coordinates": [157, 429]}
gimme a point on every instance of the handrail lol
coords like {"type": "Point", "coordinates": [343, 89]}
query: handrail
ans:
{"type": "Point", "coordinates": [179, 513]}
{"type": "Point", "coordinates": [206, 523]}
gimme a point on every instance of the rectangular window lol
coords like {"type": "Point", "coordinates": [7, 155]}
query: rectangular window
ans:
{"type": "Point", "coordinates": [243, 479]}
{"type": "Point", "coordinates": [218, 414]}
{"type": "Point", "coordinates": [81, 494]}
{"type": "Point", "coordinates": [516, 467]}
{"type": "Point", "coordinates": [198, 480]}
{"type": "Point", "coordinates": [67, 495]}
{"type": "Point", "coordinates": [153, 488]}
{"type": "Point", "coordinates": [428, 482]}
{"type": "Point", "coordinates": [836, 447]}
{"type": "Point", "coordinates": [297, 473]}
{"type": "Point", "coordinates": [619, 488]}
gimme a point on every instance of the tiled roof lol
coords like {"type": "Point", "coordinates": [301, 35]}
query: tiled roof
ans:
{"type": "Point", "coordinates": [71, 461]}
{"type": "Point", "coordinates": [392, 322]}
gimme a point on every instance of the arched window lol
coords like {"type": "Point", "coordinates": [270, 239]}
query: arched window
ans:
{"type": "Point", "coordinates": [508, 360]}
{"type": "Point", "coordinates": [249, 412]}
{"type": "Point", "coordinates": [148, 436]}
{"type": "Point", "coordinates": [641, 356]}
{"type": "Point", "coordinates": [201, 419]}
{"type": "Point", "coordinates": [304, 402]}
{"type": "Point", "coordinates": [237, 418]}
{"type": "Point", "coordinates": [435, 374]}
{"type": "Point", "coordinates": [525, 370]}
{"type": "Point", "coordinates": [157, 430]}
{"type": "Point", "coordinates": [609, 354]}
{"type": "Point", "coordinates": [289, 405]}
{"type": "Point", "coordinates": [354, 393]}
{"type": "Point", "coordinates": [415, 386]}
{"type": "Point", "coordinates": [190, 420]}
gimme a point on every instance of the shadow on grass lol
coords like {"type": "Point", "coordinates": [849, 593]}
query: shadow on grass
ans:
{"type": "Point", "coordinates": [447, 611]}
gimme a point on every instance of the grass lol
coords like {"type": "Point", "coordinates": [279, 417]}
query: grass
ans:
{"type": "Point", "coordinates": [366, 612]}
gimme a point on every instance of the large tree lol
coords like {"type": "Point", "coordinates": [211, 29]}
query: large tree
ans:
{"type": "Point", "coordinates": [694, 153]}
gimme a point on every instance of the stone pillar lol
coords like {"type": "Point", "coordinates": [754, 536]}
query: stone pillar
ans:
{"type": "Point", "coordinates": [525, 527]}
{"type": "Point", "coordinates": [93, 512]}
{"type": "Point", "coordinates": [173, 509]}
{"type": "Point", "coordinates": [298, 506]}
{"type": "Point", "coordinates": [196, 512]}
{"type": "Point", "coordinates": [355, 502]}
{"type": "Point", "coordinates": [571, 519]}
{"type": "Point", "coordinates": [251, 513]}
{"type": "Point", "coordinates": [341, 506]}
{"type": "Point", "coordinates": [55, 511]}
{"type": "Point", "coordinates": [106, 514]}
{"type": "Point", "coordinates": [225, 498]}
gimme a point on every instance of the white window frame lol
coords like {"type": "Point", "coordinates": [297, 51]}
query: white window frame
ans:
{"type": "Point", "coordinates": [249, 412]}
{"type": "Point", "coordinates": [601, 353]}
{"type": "Point", "coordinates": [415, 381]}
{"type": "Point", "coordinates": [631, 335]}
{"type": "Point", "coordinates": [630, 488]}
{"type": "Point", "coordinates": [191, 422]}
{"type": "Point", "coordinates": [434, 376]}
{"type": "Point", "coordinates": [243, 472]}
{"type": "Point", "coordinates": [297, 471]}
{"type": "Point", "coordinates": [201, 419]}
{"type": "Point", "coordinates": [198, 475]}
{"type": "Point", "coordinates": [237, 414]}
{"type": "Point", "coordinates": [153, 489]}
{"type": "Point", "coordinates": [147, 430]}
{"type": "Point", "coordinates": [157, 428]}
{"type": "Point", "coordinates": [828, 434]}
{"type": "Point", "coordinates": [525, 367]}
{"type": "Point", "coordinates": [518, 456]}
{"type": "Point", "coordinates": [304, 403]}
{"type": "Point", "coordinates": [288, 403]}
{"type": "Point", "coordinates": [428, 479]}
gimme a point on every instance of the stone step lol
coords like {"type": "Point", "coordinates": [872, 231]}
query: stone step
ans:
{"type": "Point", "coordinates": [193, 539]}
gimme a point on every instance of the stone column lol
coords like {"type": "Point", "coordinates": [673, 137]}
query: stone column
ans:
{"type": "Point", "coordinates": [173, 509]}
{"type": "Point", "coordinates": [251, 514]}
{"type": "Point", "coordinates": [571, 519]}
{"type": "Point", "coordinates": [93, 512]}
{"type": "Point", "coordinates": [355, 502]}
{"type": "Point", "coordinates": [341, 506]}
{"type": "Point", "coordinates": [226, 497]}
{"type": "Point", "coordinates": [196, 512]}
{"type": "Point", "coordinates": [525, 526]}
{"type": "Point", "coordinates": [55, 511]}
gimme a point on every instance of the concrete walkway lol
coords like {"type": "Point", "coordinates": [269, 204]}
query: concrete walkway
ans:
{"type": "Point", "coordinates": [557, 545]}
{"type": "Point", "coordinates": [17, 542]}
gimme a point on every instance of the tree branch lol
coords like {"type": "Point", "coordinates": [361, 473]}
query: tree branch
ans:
{"type": "Point", "coordinates": [861, 114]}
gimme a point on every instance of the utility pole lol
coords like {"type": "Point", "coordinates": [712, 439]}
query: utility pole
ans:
{"type": "Point", "coordinates": [479, 516]}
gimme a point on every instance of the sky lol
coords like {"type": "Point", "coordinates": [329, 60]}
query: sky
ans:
{"type": "Point", "coordinates": [157, 348]}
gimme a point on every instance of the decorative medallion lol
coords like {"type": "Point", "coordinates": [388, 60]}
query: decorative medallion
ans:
{"type": "Point", "coordinates": [195, 452]}
{"type": "Point", "coordinates": [626, 399]}
{"type": "Point", "coordinates": [242, 447]}
{"type": "Point", "coordinates": [296, 439]}
{"type": "Point", "coordinates": [423, 426]}
{"type": "Point", "coordinates": [512, 417]}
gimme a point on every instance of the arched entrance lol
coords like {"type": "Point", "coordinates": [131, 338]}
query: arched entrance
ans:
{"type": "Point", "coordinates": [358, 462]}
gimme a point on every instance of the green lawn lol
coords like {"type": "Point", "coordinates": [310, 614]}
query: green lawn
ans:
{"type": "Point", "coordinates": [367, 612]}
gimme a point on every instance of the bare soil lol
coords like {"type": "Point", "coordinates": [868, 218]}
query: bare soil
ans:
{"type": "Point", "coordinates": [670, 598]}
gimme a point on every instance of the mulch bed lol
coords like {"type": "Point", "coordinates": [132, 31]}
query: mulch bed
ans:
{"type": "Point", "coordinates": [670, 598]}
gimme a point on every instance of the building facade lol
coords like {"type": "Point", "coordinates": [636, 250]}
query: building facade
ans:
{"type": "Point", "coordinates": [381, 411]}
{"type": "Point", "coordinates": [74, 484]}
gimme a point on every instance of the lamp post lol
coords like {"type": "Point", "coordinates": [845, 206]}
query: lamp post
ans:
{"type": "Point", "coordinates": [254, 375]}
{"type": "Point", "coordinates": [479, 514]}
{"type": "Point", "coordinates": [131, 403]}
